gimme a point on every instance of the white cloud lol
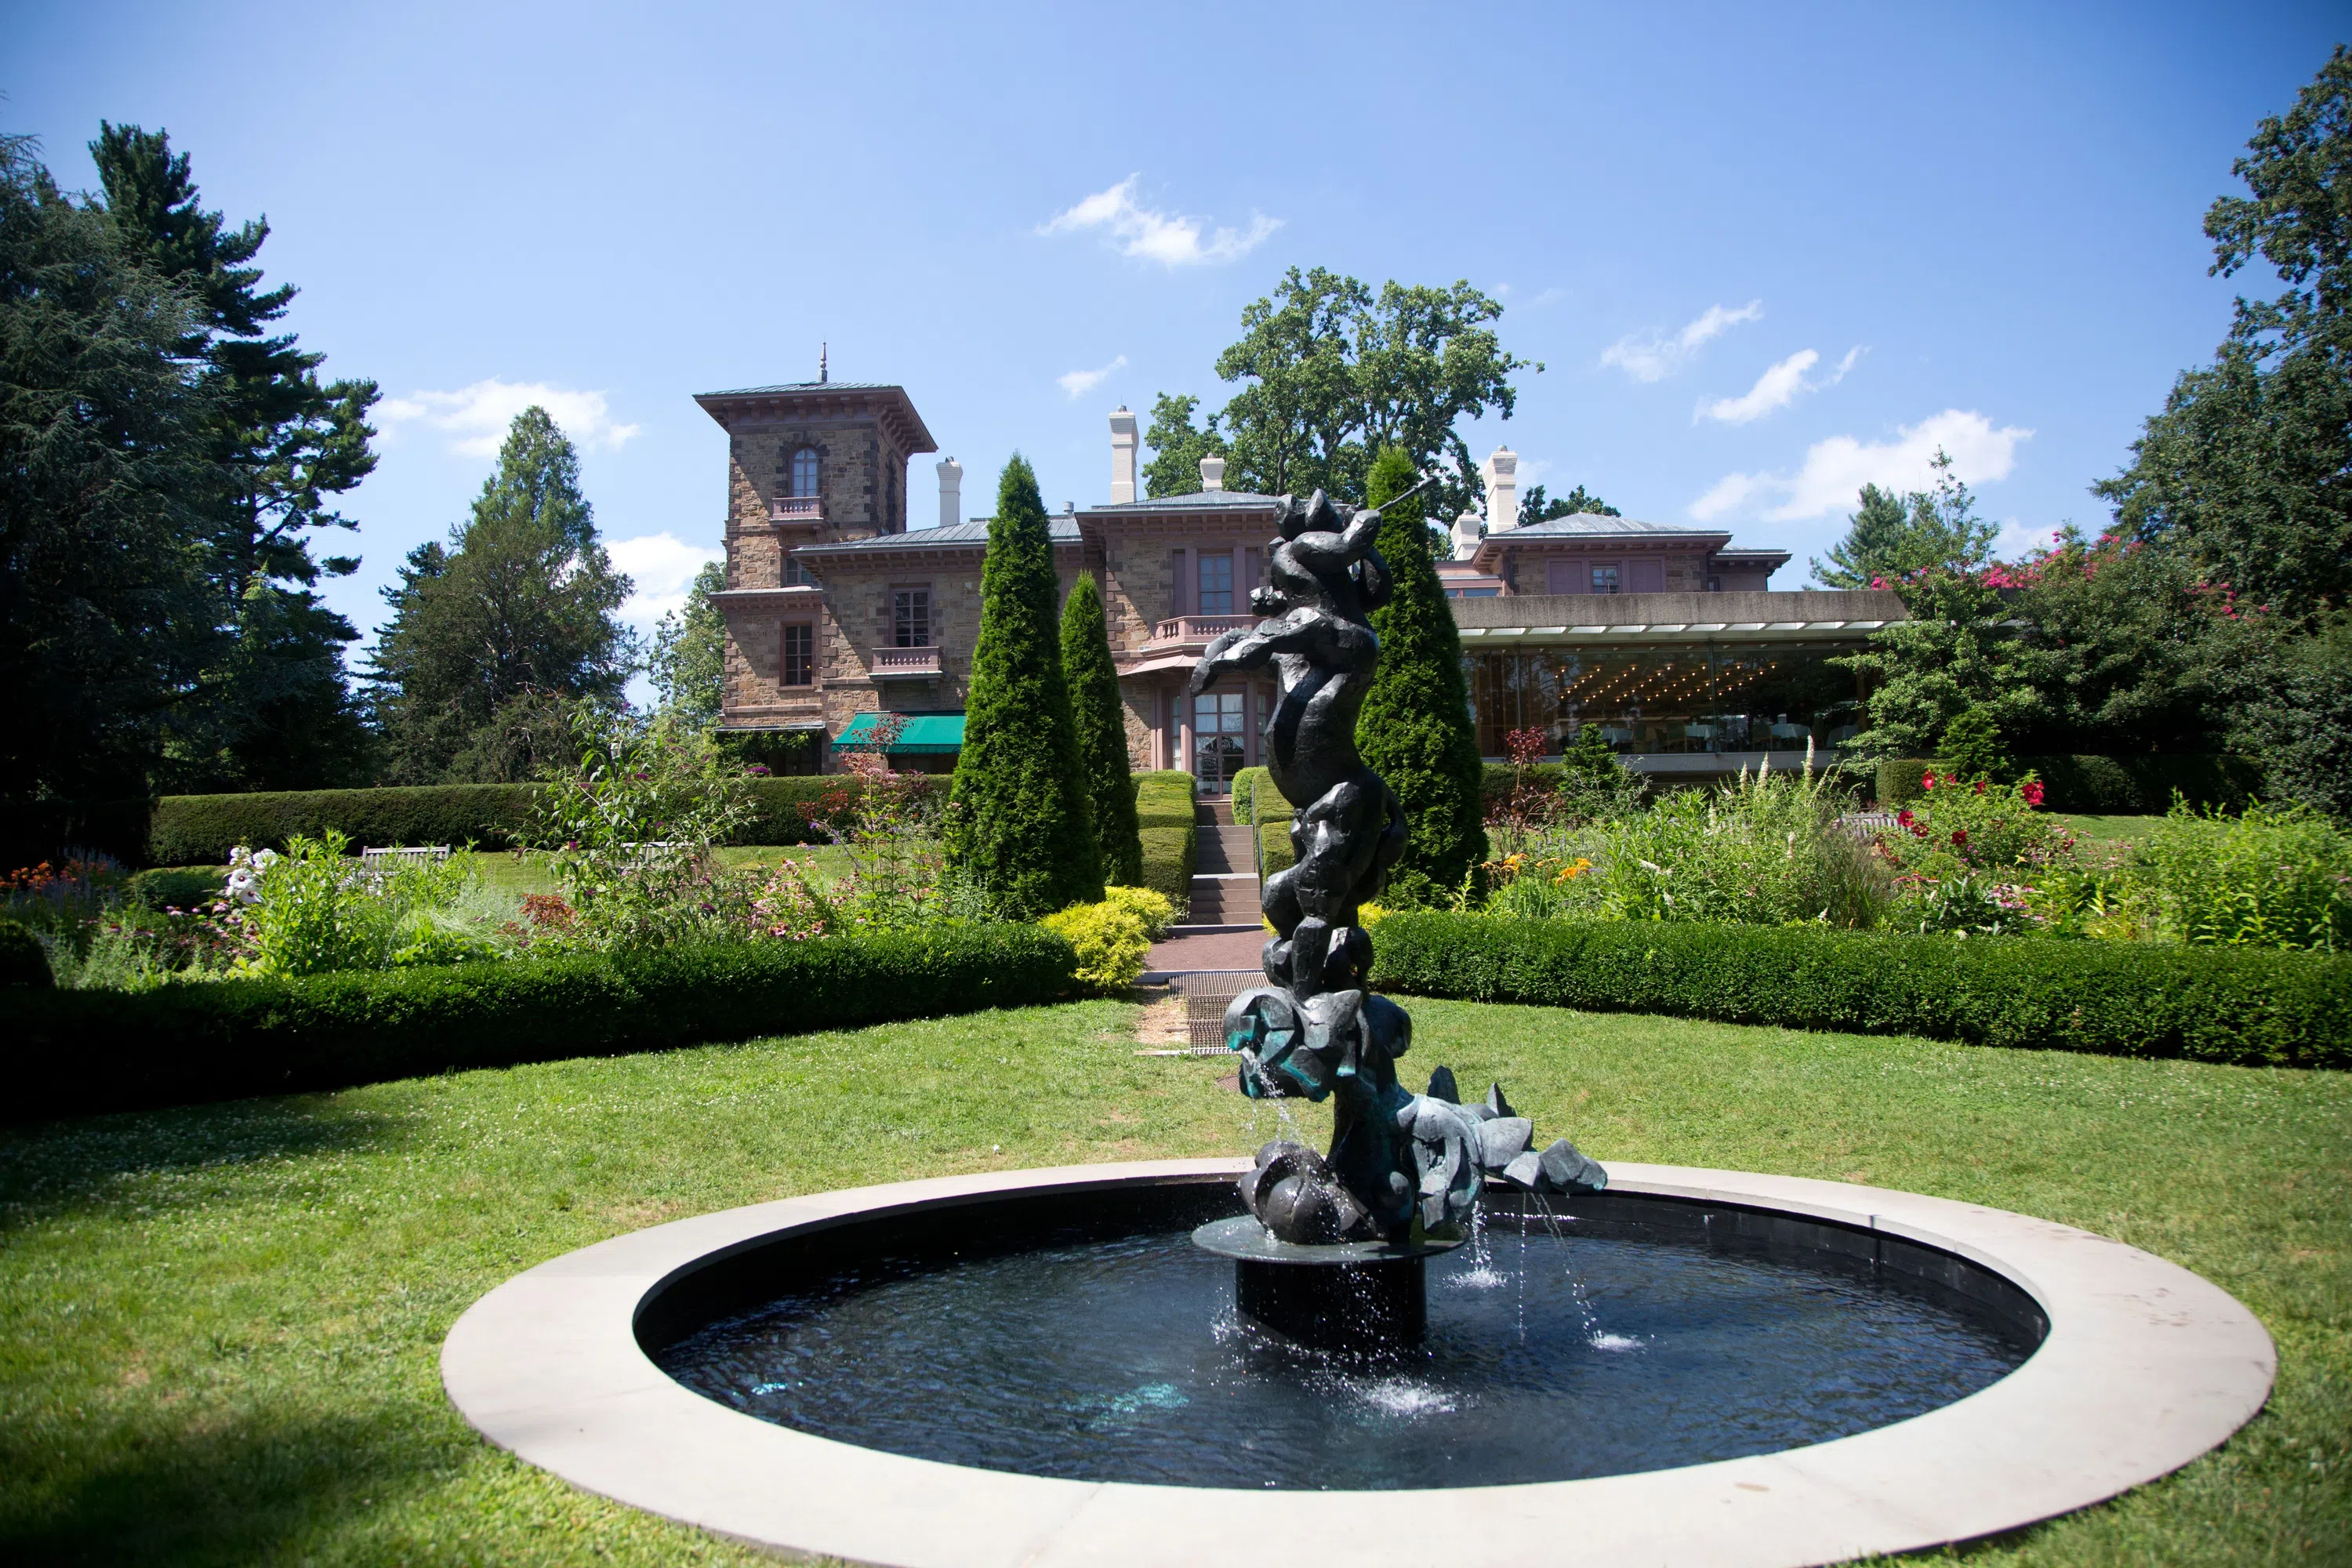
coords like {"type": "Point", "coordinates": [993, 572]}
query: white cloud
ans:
{"type": "Point", "coordinates": [1549, 296]}
{"type": "Point", "coordinates": [1778, 387]}
{"type": "Point", "coordinates": [478, 415]}
{"type": "Point", "coordinates": [1170, 239]}
{"type": "Point", "coordinates": [1836, 468]}
{"type": "Point", "coordinates": [2016, 541]}
{"type": "Point", "coordinates": [661, 567]}
{"type": "Point", "coordinates": [1657, 356]}
{"type": "Point", "coordinates": [1078, 382]}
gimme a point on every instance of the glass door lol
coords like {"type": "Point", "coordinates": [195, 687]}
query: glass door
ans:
{"type": "Point", "coordinates": [1217, 720]}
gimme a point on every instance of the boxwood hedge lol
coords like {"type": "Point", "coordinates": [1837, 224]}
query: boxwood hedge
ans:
{"type": "Point", "coordinates": [78, 1052]}
{"type": "Point", "coordinates": [1164, 810]}
{"type": "Point", "coordinates": [2129, 786]}
{"type": "Point", "coordinates": [2225, 1004]}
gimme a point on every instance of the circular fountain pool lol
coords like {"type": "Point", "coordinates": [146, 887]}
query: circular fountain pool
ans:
{"type": "Point", "coordinates": [1087, 1337]}
{"type": "Point", "coordinates": [1740, 1369]}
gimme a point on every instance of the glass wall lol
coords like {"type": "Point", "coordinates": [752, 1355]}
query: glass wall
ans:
{"type": "Point", "coordinates": [1718, 697]}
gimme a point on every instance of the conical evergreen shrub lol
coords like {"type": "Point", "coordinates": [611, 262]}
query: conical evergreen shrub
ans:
{"type": "Point", "coordinates": [1415, 729]}
{"type": "Point", "coordinates": [1020, 827]}
{"type": "Point", "coordinates": [1101, 718]}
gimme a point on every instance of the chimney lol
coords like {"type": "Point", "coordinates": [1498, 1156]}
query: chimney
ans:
{"type": "Point", "coordinates": [1501, 473]}
{"type": "Point", "coordinates": [951, 492]}
{"type": "Point", "coordinates": [1122, 455]}
{"type": "Point", "coordinates": [1466, 535]}
{"type": "Point", "coordinates": [1213, 473]}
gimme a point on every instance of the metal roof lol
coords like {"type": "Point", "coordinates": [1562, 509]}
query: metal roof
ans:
{"type": "Point", "coordinates": [969, 535]}
{"type": "Point", "coordinates": [804, 387]}
{"type": "Point", "coordinates": [1593, 525]}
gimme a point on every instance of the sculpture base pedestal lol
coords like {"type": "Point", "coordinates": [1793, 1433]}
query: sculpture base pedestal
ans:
{"type": "Point", "coordinates": [1359, 1297]}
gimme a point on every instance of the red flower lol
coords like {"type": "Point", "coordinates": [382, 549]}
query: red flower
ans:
{"type": "Point", "coordinates": [1980, 784]}
{"type": "Point", "coordinates": [1926, 781]}
{"type": "Point", "coordinates": [2032, 791]}
{"type": "Point", "coordinates": [1904, 816]}
{"type": "Point", "coordinates": [1960, 835]}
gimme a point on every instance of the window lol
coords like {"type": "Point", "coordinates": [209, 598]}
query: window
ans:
{"type": "Point", "coordinates": [800, 655]}
{"type": "Point", "coordinates": [806, 466]}
{"type": "Point", "coordinates": [1216, 584]}
{"type": "Point", "coordinates": [1604, 579]}
{"type": "Point", "coordinates": [797, 576]}
{"type": "Point", "coordinates": [1217, 720]}
{"type": "Point", "coordinates": [910, 618]}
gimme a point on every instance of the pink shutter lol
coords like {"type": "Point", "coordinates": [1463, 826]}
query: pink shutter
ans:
{"type": "Point", "coordinates": [1645, 577]}
{"type": "Point", "coordinates": [1559, 577]}
{"type": "Point", "coordinates": [1254, 564]}
{"type": "Point", "coordinates": [1180, 596]}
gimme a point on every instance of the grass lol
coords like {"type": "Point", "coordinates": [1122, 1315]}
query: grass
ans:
{"type": "Point", "coordinates": [2119, 832]}
{"type": "Point", "coordinates": [219, 1326]}
{"type": "Point", "coordinates": [520, 871]}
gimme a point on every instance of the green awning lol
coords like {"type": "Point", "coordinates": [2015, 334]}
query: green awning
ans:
{"type": "Point", "coordinates": [937, 733]}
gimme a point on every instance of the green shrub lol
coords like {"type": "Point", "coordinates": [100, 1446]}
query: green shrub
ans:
{"type": "Point", "coordinates": [78, 1052]}
{"type": "Point", "coordinates": [174, 887]}
{"type": "Point", "coordinates": [196, 829]}
{"type": "Point", "coordinates": [2115, 998]}
{"type": "Point", "coordinates": [1275, 846]}
{"type": "Point", "coordinates": [2273, 877]}
{"type": "Point", "coordinates": [1165, 799]}
{"type": "Point", "coordinates": [1110, 940]}
{"type": "Point", "coordinates": [22, 960]}
{"type": "Point", "coordinates": [2124, 786]}
{"type": "Point", "coordinates": [1167, 862]}
{"type": "Point", "coordinates": [1156, 909]}
{"type": "Point", "coordinates": [1099, 720]}
{"type": "Point", "coordinates": [1254, 793]}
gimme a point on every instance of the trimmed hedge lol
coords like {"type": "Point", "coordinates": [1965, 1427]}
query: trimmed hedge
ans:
{"type": "Point", "coordinates": [201, 829]}
{"type": "Point", "coordinates": [1270, 803]}
{"type": "Point", "coordinates": [22, 960]}
{"type": "Point", "coordinates": [2224, 1005]}
{"type": "Point", "coordinates": [1165, 811]}
{"type": "Point", "coordinates": [782, 808]}
{"type": "Point", "coordinates": [78, 1052]}
{"type": "Point", "coordinates": [1274, 838]}
{"type": "Point", "coordinates": [2124, 786]}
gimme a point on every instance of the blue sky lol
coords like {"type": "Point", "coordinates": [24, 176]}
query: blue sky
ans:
{"type": "Point", "coordinates": [1765, 253]}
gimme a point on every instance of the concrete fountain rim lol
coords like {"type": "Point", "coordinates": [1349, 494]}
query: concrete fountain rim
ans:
{"type": "Point", "coordinates": [2146, 1367]}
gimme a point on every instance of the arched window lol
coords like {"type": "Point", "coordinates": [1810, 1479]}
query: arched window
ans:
{"type": "Point", "coordinates": [806, 466]}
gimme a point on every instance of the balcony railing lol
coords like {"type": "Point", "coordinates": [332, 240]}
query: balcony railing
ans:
{"type": "Point", "coordinates": [1198, 628]}
{"type": "Point", "coordinates": [796, 509]}
{"type": "Point", "coordinates": [905, 663]}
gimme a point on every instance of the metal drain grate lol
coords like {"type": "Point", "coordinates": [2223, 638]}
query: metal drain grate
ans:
{"type": "Point", "coordinates": [1207, 993]}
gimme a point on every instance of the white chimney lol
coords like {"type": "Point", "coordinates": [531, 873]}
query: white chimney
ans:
{"type": "Point", "coordinates": [1122, 455]}
{"type": "Point", "coordinates": [1501, 473]}
{"type": "Point", "coordinates": [951, 492]}
{"type": "Point", "coordinates": [1466, 535]}
{"type": "Point", "coordinates": [1213, 473]}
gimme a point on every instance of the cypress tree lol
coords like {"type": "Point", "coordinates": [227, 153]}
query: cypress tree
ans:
{"type": "Point", "coordinates": [1415, 728]}
{"type": "Point", "coordinates": [1101, 718]}
{"type": "Point", "coordinates": [1023, 829]}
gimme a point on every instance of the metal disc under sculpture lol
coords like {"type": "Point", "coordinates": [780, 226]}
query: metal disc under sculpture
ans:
{"type": "Point", "coordinates": [1401, 1166]}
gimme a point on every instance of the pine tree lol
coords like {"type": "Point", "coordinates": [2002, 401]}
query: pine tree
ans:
{"type": "Point", "coordinates": [273, 707]}
{"type": "Point", "coordinates": [1101, 718]}
{"type": "Point", "coordinates": [493, 638]}
{"type": "Point", "coordinates": [1415, 728]}
{"type": "Point", "coordinates": [1021, 828]}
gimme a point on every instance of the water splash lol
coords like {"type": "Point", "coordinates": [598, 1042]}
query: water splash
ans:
{"type": "Point", "coordinates": [1404, 1397]}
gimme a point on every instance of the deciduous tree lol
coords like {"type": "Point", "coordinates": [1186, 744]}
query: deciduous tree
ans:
{"type": "Point", "coordinates": [689, 658]}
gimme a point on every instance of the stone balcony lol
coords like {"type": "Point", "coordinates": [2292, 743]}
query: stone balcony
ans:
{"type": "Point", "coordinates": [905, 664]}
{"type": "Point", "coordinates": [796, 509]}
{"type": "Point", "coordinates": [1193, 632]}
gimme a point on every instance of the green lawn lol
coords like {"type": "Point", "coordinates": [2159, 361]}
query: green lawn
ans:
{"type": "Point", "coordinates": [218, 1327]}
{"type": "Point", "coordinates": [2116, 832]}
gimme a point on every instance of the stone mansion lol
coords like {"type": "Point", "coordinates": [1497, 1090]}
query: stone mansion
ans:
{"type": "Point", "coordinates": [838, 613]}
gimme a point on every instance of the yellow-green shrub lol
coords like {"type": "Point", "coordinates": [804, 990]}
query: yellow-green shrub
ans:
{"type": "Point", "coordinates": [1110, 939]}
{"type": "Point", "coordinates": [1156, 909]}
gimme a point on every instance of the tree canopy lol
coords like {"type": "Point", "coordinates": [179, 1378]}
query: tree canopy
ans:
{"type": "Point", "coordinates": [1537, 507]}
{"type": "Point", "coordinates": [1332, 372]}
{"type": "Point", "coordinates": [496, 636]}
{"type": "Point", "coordinates": [689, 658]}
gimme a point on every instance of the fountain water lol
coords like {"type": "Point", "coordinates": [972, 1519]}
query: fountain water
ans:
{"type": "Point", "coordinates": [1333, 1250]}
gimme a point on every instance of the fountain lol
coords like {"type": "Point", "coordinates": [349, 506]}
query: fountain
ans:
{"type": "Point", "coordinates": [1332, 1252]}
{"type": "Point", "coordinates": [1643, 1364]}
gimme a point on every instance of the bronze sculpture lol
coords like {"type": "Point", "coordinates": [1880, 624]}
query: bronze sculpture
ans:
{"type": "Point", "coordinates": [1401, 1166]}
